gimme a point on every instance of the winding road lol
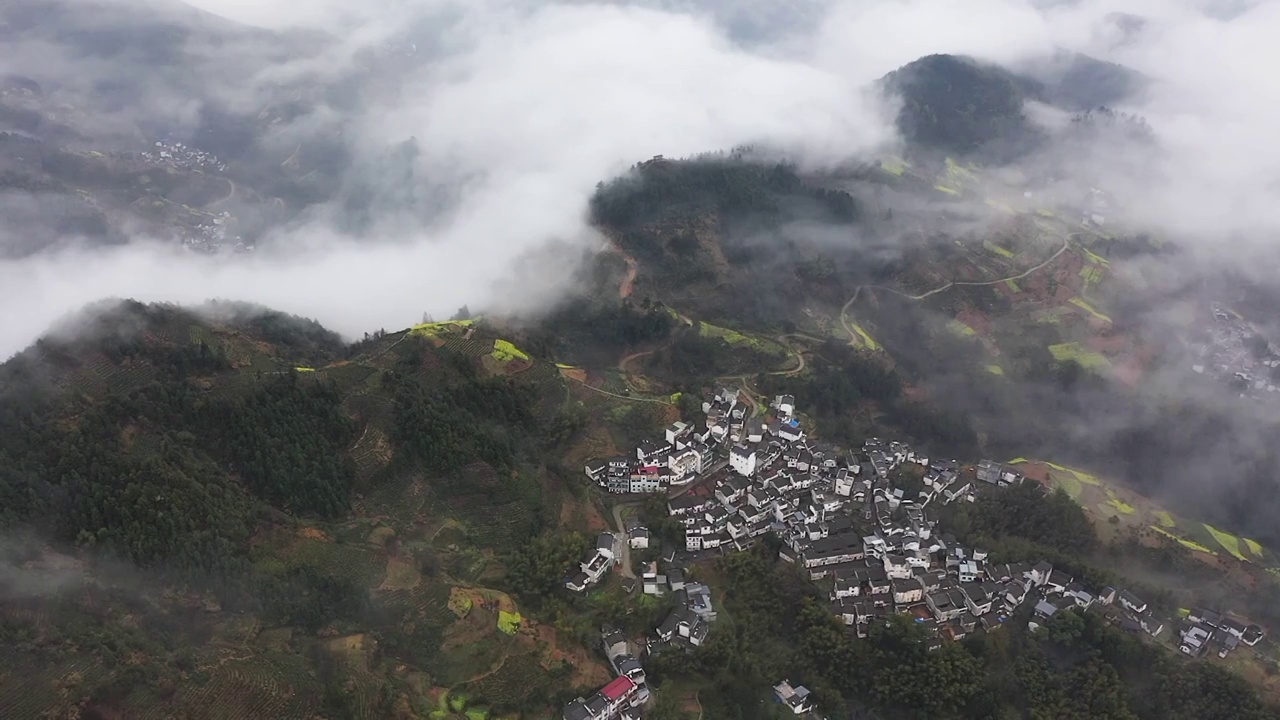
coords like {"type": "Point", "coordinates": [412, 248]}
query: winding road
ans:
{"type": "Point", "coordinates": [625, 551]}
{"type": "Point", "coordinates": [853, 336]}
{"type": "Point", "coordinates": [231, 192]}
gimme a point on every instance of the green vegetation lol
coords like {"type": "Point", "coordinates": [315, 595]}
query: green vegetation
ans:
{"type": "Point", "coordinates": [286, 441]}
{"type": "Point", "coordinates": [1255, 548]}
{"type": "Point", "coordinates": [1069, 484]}
{"type": "Point", "coordinates": [1002, 207]}
{"type": "Point", "coordinates": [733, 337]}
{"type": "Point", "coordinates": [1165, 518]}
{"type": "Point", "coordinates": [178, 473]}
{"type": "Point", "coordinates": [1091, 276]}
{"type": "Point", "coordinates": [1084, 305]}
{"type": "Point", "coordinates": [1119, 505]}
{"type": "Point", "coordinates": [505, 351]}
{"type": "Point", "coordinates": [958, 172]}
{"type": "Point", "coordinates": [840, 381]}
{"type": "Point", "coordinates": [438, 329]}
{"type": "Point", "coordinates": [588, 332]}
{"type": "Point", "coordinates": [1229, 542]}
{"type": "Point", "coordinates": [508, 622]}
{"type": "Point", "coordinates": [960, 106]}
{"type": "Point", "coordinates": [960, 328]}
{"type": "Point", "coordinates": [894, 165]}
{"type": "Point", "coordinates": [730, 184]}
{"type": "Point", "coordinates": [1189, 544]}
{"type": "Point", "coordinates": [994, 369]}
{"type": "Point", "coordinates": [864, 338]}
{"type": "Point", "coordinates": [1073, 352]}
{"type": "Point", "coordinates": [1002, 252]}
{"type": "Point", "coordinates": [1094, 257]}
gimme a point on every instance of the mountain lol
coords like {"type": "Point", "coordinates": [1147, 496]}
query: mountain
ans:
{"type": "Point", "coordinates": [962, 106]}
{"type": "Point", "coordinates": [969, 108]}
{"type": "Point", "coordinates": [148, 117]}
{"type": "Point", "coordinates": [1079, 83]}
{"type": "Point", "coordinates": [252, 505]}
{"type": "Point", "coordinates": [225, 506]}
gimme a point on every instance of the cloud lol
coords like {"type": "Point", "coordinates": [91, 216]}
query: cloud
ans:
{"type": "Point", "coordinates": [515, 121]}
{"type": "Point", "coordinates": [518, 108]}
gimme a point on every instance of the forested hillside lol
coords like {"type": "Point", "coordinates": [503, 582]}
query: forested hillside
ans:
{"type": "Point", "coordinates": [185, 489]}
{"type": "Point", "coordinates": [960, 106]}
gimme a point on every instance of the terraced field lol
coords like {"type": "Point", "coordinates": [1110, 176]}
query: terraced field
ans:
{"type": "Point", "coordinates": [1093, 312]}
{"type": "Point", "coordinates": [267, 686]}
{"type": "Point", "coordinates": [421, 616]}
{"type": "Point", "coordinates": [348, 376]}
{"type": "Point", "coordinates": [371, 452]}
{"type": "Point", "coordinates": [28, 693]}
{"type": "Point", "coordinates": [363, 566]}
{"type": "Point", "coordinates": [1103, 500]}
{"type": "Point", "coordinates": [509, 686]}
{"type": "Point", "coordinates": [467, 347]}
{"type": "Point", "coordinates": [1064, 352]}
{"type": "Point", "coordinates": [1189, 544]}
{"type": "Point", "coordinates": [358, 683]}
{"type": "Point", "coordinates": [733, 337]}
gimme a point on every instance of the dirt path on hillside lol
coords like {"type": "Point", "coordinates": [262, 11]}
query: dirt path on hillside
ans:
{"type": "Point", "coordinates": [844, 310]}
{"type": "Point", "coordinates": [628, 284]}
{"type": "Point", "coordinates": [799, 368]}
{"type": "Point", "coordinates": [620, 397]}
{"type": "Point", "coordinates": [231, 193]}
{"type": "Point", "coordinates": [628, 359]}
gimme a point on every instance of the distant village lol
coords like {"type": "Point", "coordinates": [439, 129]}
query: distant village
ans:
{"type": "Point", "coordinates": [1235, 353]}
{"type": "Point", "coordinates": [847, 519]}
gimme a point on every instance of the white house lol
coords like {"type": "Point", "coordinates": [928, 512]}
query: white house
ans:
{"type": "Point", "coordinates": [785, 405]}
{"type": "Point", "coordinates": [743, 460]}
{"type": "Point", "coordinates": [676, 431]}
{"type": "Point", "coordinates": [684, 462]}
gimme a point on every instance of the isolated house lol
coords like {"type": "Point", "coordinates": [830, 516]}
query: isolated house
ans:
{"type": "Point", "coordinates": [796, 699]}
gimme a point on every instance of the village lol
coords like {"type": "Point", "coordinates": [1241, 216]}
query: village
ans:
{"type": "Point", "coordinates": [1232, 351]}
{"type": "Point", "coordinates": [855, 524]}
{"type": "Point", "coordinates": [180, 155]}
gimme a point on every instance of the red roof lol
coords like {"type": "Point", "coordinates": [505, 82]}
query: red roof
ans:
{"type": "Point", "coordinates": [619, 688]}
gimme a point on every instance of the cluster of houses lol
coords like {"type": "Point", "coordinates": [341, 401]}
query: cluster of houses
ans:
{"type": "Point", "coordinates": [624, 697]}
{"type": "Point", "coordinates": [1229, 354]}
{"type": "Point", "coordinates": [619, 700]}
{"type": "Point", "coordinates": [683, 454]}
{"type": "Point", "coordinates": [692, 613]}
{"type": "Point", "coordinates": [862, 522]}
{"type": "Point", "coordinates": [181, 155]}
{"type": "Point", "coordinates": [814, 496]}
{"type": "Point", "coordinates": [1204, 630]}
